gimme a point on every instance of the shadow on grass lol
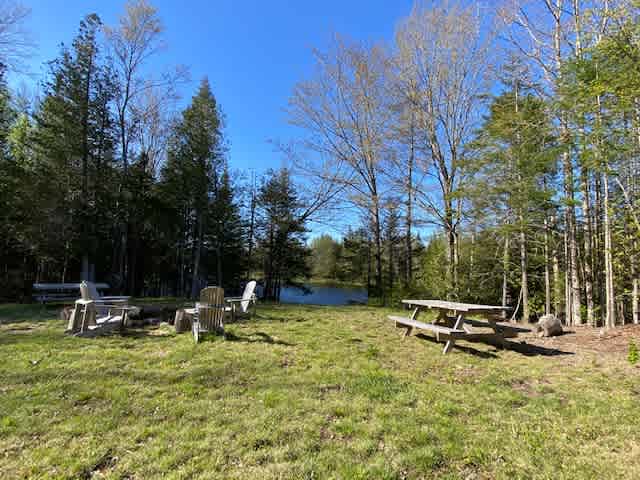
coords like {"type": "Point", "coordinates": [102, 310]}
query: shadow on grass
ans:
{"type": "Point", "coordinates": [29, 312]}
{"type": "Point", "coordinates": [464, 348]}
{"type": "Point", "coordinates": [261, 338]}
{"type": "Point", "coordinates": [530, 350]}
{"type": "Point", "coordinates": [521, 347]}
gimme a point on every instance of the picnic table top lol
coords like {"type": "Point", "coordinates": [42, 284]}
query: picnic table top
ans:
{"type": "Point", "coordinates": [456, 306]}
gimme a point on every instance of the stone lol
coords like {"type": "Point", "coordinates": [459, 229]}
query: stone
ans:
{"type": "Point", "coordinates": [548, 326]}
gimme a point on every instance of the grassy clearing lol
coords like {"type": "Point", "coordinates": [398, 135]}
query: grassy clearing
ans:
{"type": "Point", "coordinates": [305, 392]}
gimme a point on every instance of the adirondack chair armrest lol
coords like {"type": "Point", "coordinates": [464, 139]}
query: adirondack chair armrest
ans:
{"type": "Point", "coordinates": [253, 298]}
{"type": "Point", "coordinates": [84, 302]}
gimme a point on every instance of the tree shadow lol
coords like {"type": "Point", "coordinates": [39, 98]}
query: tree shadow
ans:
{"type": "Point", "coordinates": [28, 313]}
{"type": "Point", "coordinates": [464, 348]}
{"type": "Point", "coordinates": [530, 350]}
{"type": "Point", "coordinates": [521, 347]}
{"type": "Point", "coordinates": [262, 338]}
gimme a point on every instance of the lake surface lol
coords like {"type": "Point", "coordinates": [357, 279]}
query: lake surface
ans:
{"type": "Point", "coordinates": [324, 295]}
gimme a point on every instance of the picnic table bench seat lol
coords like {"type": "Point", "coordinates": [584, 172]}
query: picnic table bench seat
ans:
{"type": "Point", "coordinates": [408, 322]}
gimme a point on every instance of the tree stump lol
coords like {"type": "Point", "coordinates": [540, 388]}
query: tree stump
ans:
{"type": "Point", "coordinates": [183, 321]}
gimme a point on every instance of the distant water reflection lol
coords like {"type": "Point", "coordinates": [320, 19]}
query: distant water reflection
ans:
{"type": "Point", "coordinates": [324, 295]}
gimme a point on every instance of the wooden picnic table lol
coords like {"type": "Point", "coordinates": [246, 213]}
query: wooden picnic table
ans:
{"type": "Point", "coordinates": [458, 325]}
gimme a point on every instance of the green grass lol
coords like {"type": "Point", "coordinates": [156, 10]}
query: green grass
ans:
{"type": "Point", "coordinates": [308, 393]}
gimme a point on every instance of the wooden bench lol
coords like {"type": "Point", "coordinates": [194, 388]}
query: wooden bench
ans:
{"type": "Point", "coordinates": [438, 329]}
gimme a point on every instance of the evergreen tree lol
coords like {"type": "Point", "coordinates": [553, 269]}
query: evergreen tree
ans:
{"type": "Point", "coordinates": [281, 239]}
{"type": "Point", "coordinates": [515, 157]}
{"type": "Point", "coordinates": [191, 179]}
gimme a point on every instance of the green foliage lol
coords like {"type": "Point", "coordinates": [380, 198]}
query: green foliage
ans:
{"type": "Point", "coordinates": [325, 257]}
{"type": "Point", "coordinates": [281, 233]}
{"type": "Point", "coordinates": [199, 200]}
{"type": "Point", "coordinates": [633, 355]}
{"type": "Point", "coordinates": [434, 269]}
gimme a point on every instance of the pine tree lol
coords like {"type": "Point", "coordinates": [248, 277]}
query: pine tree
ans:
{"type": "Point", "coordinates": [282, 234]}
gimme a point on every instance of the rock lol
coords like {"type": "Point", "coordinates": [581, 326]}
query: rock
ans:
{"type": "Point", "coordinates": [548, 326]}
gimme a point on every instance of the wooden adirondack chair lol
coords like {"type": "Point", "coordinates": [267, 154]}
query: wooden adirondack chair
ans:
{"type": "Point", "coordinates": [91, 315]}
{"type": "Point", "coordinates": [243, 306]}
{"type": "Point", "coordinates": [209, 312]}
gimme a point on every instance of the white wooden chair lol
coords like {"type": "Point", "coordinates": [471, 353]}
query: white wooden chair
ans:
{"type": "Point", "coordinates": [208, 316]}
{"type": "Point", "coordinates": [89, 314]}
{"type": "Point", "coordinates": [243, 306]}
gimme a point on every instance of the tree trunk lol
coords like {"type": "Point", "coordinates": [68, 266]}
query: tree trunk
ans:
{"type": "Point", "coordinates": [610, 315]}
{"type": "Point", "coordinates": [557, 289]}
{"type": "Point", "coordinates": [195, 280]}
{"type": "Point", "coordinates": [377, 231]}
{"type": "Point", "coordinates": [568, 304]}
{"type": "Point", "coordinates": [599, 247]}
{"type": "Point", "coordinates": [505, 275]}
{"type": "Point", "coordinates": [547, 272]}
{"type": "Point", "coordinates": [588, 235]}
{"type": "Point", "coordinates": [408, 271]}
{"type": "Point", "coordinates": [523, 271]}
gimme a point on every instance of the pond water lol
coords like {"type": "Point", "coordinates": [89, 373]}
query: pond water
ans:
{"type": "Point", "coordinates": [324, 295]}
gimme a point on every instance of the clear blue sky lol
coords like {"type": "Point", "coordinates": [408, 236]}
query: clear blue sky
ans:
{"type": "Point", "coordinates": [252, 51]}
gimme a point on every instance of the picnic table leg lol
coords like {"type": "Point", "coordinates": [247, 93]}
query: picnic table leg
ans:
{"type": "Point", "coordinates": [498, 331]}
{"type": "Point", "coordinates": [414, 315]}
{"type": "Point", "coordinates": [449, 345]}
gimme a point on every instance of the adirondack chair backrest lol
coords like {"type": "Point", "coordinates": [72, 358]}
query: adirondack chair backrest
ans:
{"type": "Point", "coordinates": [247, 295]}
{"type": "Point", "coordinates": [85, 292]}
{"type": "Point", "coordinates": [211, 308]}
{"type": "Point", "coordinates": [93, 291]}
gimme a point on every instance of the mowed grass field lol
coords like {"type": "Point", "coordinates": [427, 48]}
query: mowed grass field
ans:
{"type": "Point", "coordinates": [306, 393]}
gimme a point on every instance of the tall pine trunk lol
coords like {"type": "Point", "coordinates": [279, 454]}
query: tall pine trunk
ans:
{"type": "Point", "coordinates": [524, 283]}
{"type": "Point", "coordinates": [588, 235]}
{"type": "Point", "coordinates": [547, 269]}
{"type": "Point", "coordinates": [505, 274]}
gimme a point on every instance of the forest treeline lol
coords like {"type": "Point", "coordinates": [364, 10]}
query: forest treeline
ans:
{"type": "Point", "coordinates": [100, 179]}
{"type": "Point", "coordinates": [485, 154]}
{"type": "Point", "coordinates": [509, 135]}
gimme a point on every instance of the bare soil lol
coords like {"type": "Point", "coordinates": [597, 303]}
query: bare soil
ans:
{"type": "Point", "coordinates": [584, 339]}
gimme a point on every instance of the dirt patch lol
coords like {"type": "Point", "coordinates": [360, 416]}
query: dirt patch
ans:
{"type": "Point", "coordinates": [582, 339]}
{"type": "Point", "coordinates": [532, 388]}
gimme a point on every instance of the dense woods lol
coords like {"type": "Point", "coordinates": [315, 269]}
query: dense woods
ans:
{"type": "Point", "coordinates": [485, 155]}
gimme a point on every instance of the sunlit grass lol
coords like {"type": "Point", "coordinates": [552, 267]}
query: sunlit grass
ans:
{"type": "Point", "coordinates": [304, 392]}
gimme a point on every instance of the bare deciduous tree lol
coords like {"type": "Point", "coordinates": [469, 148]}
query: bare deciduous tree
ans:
{"type": "Point", "coordinates": [444, 71]}
{"type": "Point", "coordinates": [345, 117]}
{"type": "Point", "coordinates": [15, 43]}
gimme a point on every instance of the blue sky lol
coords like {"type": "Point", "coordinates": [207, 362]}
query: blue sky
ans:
{"type": "Point", "coordinates": [252, 51]}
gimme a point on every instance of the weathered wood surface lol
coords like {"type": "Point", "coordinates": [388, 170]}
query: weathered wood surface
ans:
{"type": "Point", "coordinates": [183, 320]}
{"type": "Point", "coordinates": [458, 327]}
{"type": "Point", "coordinates": [53, 292]}
{"type": "Point", "coordinates": [456, 306]}
{"type": "Point", "coordinates": [426, 326]}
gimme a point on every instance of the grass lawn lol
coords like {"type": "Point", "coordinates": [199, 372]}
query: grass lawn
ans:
{"type": "Point", "coordinates": [305, 392]}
